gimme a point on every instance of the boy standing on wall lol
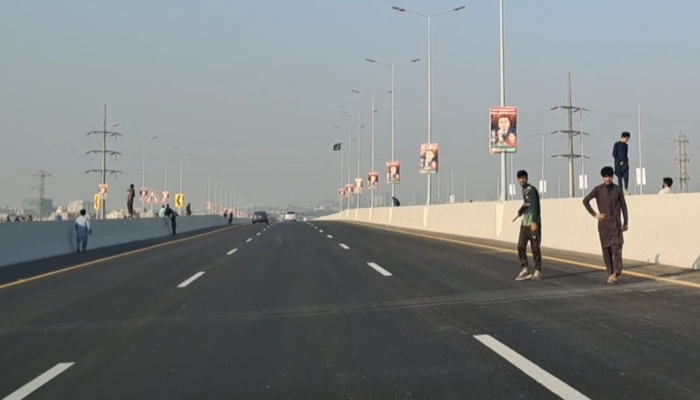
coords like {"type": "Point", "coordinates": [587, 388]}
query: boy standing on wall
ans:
{"type": "Point", "coordinates": [530, 230]}
{"type": "Point", "coordinates": [622, 167]}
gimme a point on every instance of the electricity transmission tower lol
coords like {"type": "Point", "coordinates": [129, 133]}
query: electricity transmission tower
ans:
{"type": "Point", "coordinates": [682, 160]}
{"type": "Point", "coordinates": [42, 175]}
{"type": "Point", "coordinates": [104, 152]}
{"type": "Point", "coordinates": [570, 132]}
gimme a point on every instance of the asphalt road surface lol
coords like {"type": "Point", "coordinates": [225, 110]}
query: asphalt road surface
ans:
{"type": "Point", "coordinates": [327, 310]}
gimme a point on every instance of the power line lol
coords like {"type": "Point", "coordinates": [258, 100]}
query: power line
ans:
{"type": "Point", "coordinates": [104, 152]}
{"type": "Point", "coordinates": [42, 175]}
{"type": "Point", "coordinates": [570, 132]}
{"type": "Point", "coordinates": [682, 160]}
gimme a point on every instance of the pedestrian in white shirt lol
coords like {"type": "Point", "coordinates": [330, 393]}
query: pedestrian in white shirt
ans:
{"type": "Point", "coordinates": [82, 230]}
{"type": "Point", "coordinates": [666, 187]}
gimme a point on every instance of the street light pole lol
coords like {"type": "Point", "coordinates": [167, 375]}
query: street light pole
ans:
{"type": "Point", "coordinates": [430, 97]}
{"type": "Point", "coordinates": [501, 35]}
{"type": "Point", "coordinates": [393, 110]}
{"type": "Point", "coordinates": [371, 95]}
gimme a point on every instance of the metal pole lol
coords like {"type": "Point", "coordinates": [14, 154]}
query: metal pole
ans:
{"type": "Point", "coordinates": [504, 178]}
{"type": "Point", "coordinates": [181, 162]}
{"type": "Point", "coordinates": [143, 175]}
{"type": "Point", "coordinates": [430, 103]}
{"type": "Point", "coordinates": [359, 143]}
{"type": "Point", "coordinates": [583, 161]}
{"type": "Point", "coordinates": [166, 171]}
{"type": "Point", "coordinates": [349, 158]}
{"type": "Point", "coordinates": [371, 196]}
{"type": "Point", "coordinates": [104, 159]}
{"type": "Point", "coordinates": [639, 130]}
{"type": "Point", "coordinates": [209, 195]}
{"type": "Point", "coordinates": [342, 161]}
{"type": "Point", "coordinates": [393, 127]}
{"type": "Point", "coordinates": [571, 142]}
{"type": "Point", "coordinates": [542, 173]}
{"type": "Point", "coordinates": [452, 178]}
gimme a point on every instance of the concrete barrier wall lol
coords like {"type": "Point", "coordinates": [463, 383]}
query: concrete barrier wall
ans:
{"type": "Point", "coordinates": [663, 229]}
{"type": "Point", "coordinates": [27, 241]}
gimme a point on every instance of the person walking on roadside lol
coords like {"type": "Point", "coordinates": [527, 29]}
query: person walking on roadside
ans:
{"type": "Point", "coordinates": [622, 168]}
{"type": "Point", "coordinates": [130, 194]}
{"type": "Point", "coordinates": [611, 203]}
{"type": "Point", "coordinates": [173, 219]}
{"type": "Point", "coordinates": [82, 230]}
{"type": "Point", "coordinates": [530, 230]}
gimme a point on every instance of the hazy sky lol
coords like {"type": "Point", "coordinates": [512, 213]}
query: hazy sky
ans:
{"type": "Point", "coordinates": [254, 88]}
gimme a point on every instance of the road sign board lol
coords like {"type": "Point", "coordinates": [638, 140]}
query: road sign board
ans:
{"type": "Point", "coordinates": [152, 198]}
{"type": "Point", "coordinates": [97, 201]}
{"type": "Point", "coordinates": [179, 200]}
{"type": "Point", "coordinates": [166, 196]}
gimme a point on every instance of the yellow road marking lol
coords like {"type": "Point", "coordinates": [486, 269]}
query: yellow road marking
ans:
{"type": "Point", "coordinates": [114, 257]}
{"type": "Point", "coordinates": [548, 258]}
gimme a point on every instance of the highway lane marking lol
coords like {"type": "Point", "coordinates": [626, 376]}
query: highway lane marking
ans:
{"type": "Point", "coordinates": [344, 246]}
{"type": "Point", "coordinates": [39, 381]}
{"type": "Point", "coordinates": [379, 269]}
{"type": "Point", "coordinates": [191, 279]}
{"type": "Point", "coordinates": [329, 236]}
{"type": "Point", "coordinates": [547, 258]}
{"type": "Point", "coordinates": [551, 382]}
{"type": "Point", "coordinates": [257, 234]}
{"type": "Point", "coordinates": [320, 230]}
{"type": "Point", "coordinates": [114, 257]}
{"type": "Point", "coordinates": [231, 252]}
{"type": "Point", "coordinates": [249, 240]}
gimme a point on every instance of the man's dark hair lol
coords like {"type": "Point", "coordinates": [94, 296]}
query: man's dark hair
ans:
{"type": "Point", "coordinates": [522, 174]}
{"type": "Point", "coordinates": [132, 185]}
{"type": "Point", "coordinates": [668, 181]}
{"type": "Point", "coordinates": [625, 135]}
{"type": "Point", "coordinates": [82, 212]}
{"type": "Point", "coordinates": [607, 171]}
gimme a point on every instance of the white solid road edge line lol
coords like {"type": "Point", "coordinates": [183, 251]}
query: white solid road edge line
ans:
{"type": "Point", "coordinates": [329, 236]}
{"type": "Point", "coordinates": [379, 269]}
{"type": "Point", "coordinates": [344, 246]}
{"type": "Point", "coordinates": [551, 382]}
{"type": "Point", "coordinates": [39, 381]}
{"type": "Point", "coordinates": [231, 252]}
{"type": "Point", "coordinates": [192, 279]}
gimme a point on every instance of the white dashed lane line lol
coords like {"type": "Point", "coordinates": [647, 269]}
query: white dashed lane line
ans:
{"type": "Point", "coordinates": [249, 240]}
{"type": "Point", "coordinates": [379, 269]}
{"type": "Point", "coordinates": [39, 381]}
{"type": "Point", "coordinates": [343, 245]}
{"type": "Point", "coordinates": [231, 252]}
{"type": "Point", "coordinates": [329, 236]}
{"type": "Point", "coordinates": [544, 378]}
{"type": "Point", "coordinates": [190, 280]}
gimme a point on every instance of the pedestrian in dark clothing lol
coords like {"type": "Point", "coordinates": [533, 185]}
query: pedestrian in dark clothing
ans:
{"type": "Point", "coordinates": [173, 220]}
{"type": "Point", "coordinates": [622, 168]}
{"type": "Point", "coordinates": [130, 194]}
{"type": "Point", "coordinates": [188, 210]}
{"type": "Point", "coordinates": [611, 203]}
{"type": "Point", "coordinates": [230, 218]}
{"type": "Point", "coordinates": [396, 202]}
{"type": "Point", "coordinates": [530, 230]}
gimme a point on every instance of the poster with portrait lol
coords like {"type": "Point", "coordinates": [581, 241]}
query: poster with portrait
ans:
{"type": "Point", "coordinates": [393, 172]}
{"type": "Point", "coordinates": [359, 183]}
{"type": "Point", "coordinates": [373, 180]}
{"type": "Point", "coordinates": [503, 130]}
{"type": "Point", "coordinates": [349, 190]}
{"type": "Point", "coordinates": [428, 158]}
{"type": "Point", "coordinates": [341, 193]}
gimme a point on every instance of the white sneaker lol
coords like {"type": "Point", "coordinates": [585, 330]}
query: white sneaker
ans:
{"type": "Point", "coordinates": [524, 275]}
{"type": "Point", "coordinates": [537, 275]}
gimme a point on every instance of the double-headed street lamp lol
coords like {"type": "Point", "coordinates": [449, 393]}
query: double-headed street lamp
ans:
{"type": "Point", "coordinates": [429, 17]}
{"type": "Point", "coordinates": [393, 109]}
{"type": "Point", "coordinates": [372, 95]}
{"type": "Point", "coordinates": [359, 147]}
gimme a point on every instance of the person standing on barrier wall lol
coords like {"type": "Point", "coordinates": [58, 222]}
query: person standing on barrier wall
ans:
{"type": "Point", "coordinates": [130, 194]}
{"type": "Point", "coordinates": [622, 167]}
{"type": "Point", "coordinates": [82, 230]}
{"type": "Point", "coordinates": [611, 203]}
{"type": "Point", "coordinates": [530, 230]}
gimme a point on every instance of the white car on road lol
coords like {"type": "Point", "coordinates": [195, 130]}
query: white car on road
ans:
{"type": "Point", "coordinates": [290, 216]}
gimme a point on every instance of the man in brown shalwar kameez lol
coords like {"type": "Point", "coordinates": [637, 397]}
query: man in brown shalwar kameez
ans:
{"type": "Point", "coordinates": [611, 203]}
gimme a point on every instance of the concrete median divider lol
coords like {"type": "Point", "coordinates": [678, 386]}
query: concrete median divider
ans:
{"type": "Point", "coordinates": [28, 241]}
{"type": "Point", "coordinates": [664, 229]}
